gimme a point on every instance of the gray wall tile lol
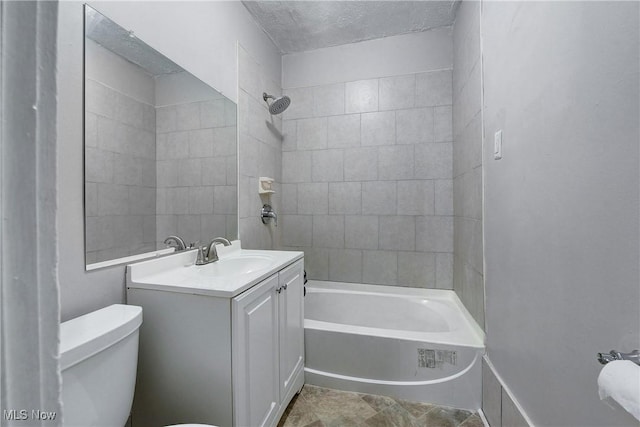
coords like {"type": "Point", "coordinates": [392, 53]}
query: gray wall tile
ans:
{"type": "Point", "coordinates": [296, 166]}
{"type": "Point", "coordinates": [378, 128]}
{"type": "Point", "coordinates": [329, 100]}
{"type": "Point", "coordinates": [316, 263]}
{"type": "Point", "coordinates": [177, 201]}
{"type": "Point", "coordinates": [224, 199]}
{"type": "Point", "coordinates": [443, 124]}
{"type": "Point", "coordinates": [312, 133]}
{"type": "Point", "coordinates": [345, 265]}
{"type": "Point", "coordinates": [99, 165]}
{"type": "Point", "coordinates": [213, 114]}
{"type": "Point", "coordinates": [328, 231]}
{"type": "Point", "coordinates": [379, 198]}
{"type": "Point", "coordinates": [397, 233]}
{"type": "Point", "coordinates": [289, 135]}
{"type": "Point", "coordinates": [491, 396]}
{"type": "Point", "coordinates": [302, 106]}
{"type": "Point", "coordinates": [380, 267]}
{"type": "Point", "coordinates": [434, 234]}
{"type": "Point", "coordinates": [201, 143]}
{"type": "Point", "coordinates": [415, 126]}
{"type": "Point", "coordinates": [91, 199]}
{"type": "Point", "coordinates": [444, 271]}
{"type": "Point", "coordinates": [467, 160]}
{"type": "Point", "coordinates": [289, 199]}
{"type": "Point", "coordinates": [433, 161]}
{"type": "Point", "coordinates": [344, 131]}
{"type": "Point", "coordinates": [298, 230]}
{"type": "Point", "coordinates": [361, 164]}
{"type": "Point", "coordinates": [188, 116]}
{"type": "Point", "coordinates": [200, 200]}
{"type": "Point", "coordinates": [189, 227]}
{"type": "Point", "coordinates": [395, 162]}
{"type": "Point", "coordinates": [361, 96]}
{"type": "Point", "coordinates": [397, 92]}
{"type": "Point", "coordinates": [313, 198]}
{"type": "Point", "coordinates": [434, 88]}
{"type": "Point", "coordinates": [417, 269]}
{"type": "Point", "coordinates": [190, 172]}
{"type": "Point", "coordinates": [444, 197]}
{"type": "Point", "coordinates": [511, 416]}
{"type": "Point", "coordinates": [126, 170]}
{"type": "Point", "coordinates": [361, 232]}
{"type": "Point", "coordinates": [214, 170]}
{"type": "Point", "coordinates": [345, 198]}
{"type": "Point", "coordinates": [327, 165]}
{"type": "Point", "coordinates": [416, 197]}
{"type": "Point", "coordinates": [382, 197]}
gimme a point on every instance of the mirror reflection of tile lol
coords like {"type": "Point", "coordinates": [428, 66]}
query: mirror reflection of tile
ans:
{"type": "Point", "coordinates": [160, 149]}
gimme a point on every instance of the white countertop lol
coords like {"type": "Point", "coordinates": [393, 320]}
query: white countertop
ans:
{"type": "Point", "coordinates": [178, 273]}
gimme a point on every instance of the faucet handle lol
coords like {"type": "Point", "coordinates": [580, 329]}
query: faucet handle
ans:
{"type": "Point", "coordinates": [200, 259]}
{"type": "Point", "coordinates": [194, 244]}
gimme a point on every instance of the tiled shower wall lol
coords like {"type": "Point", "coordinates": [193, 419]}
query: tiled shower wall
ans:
{"type": "Point", "coordinates": [260, 142]}
{"type": "Point", "coordinates": [468, 280]}
{"type": "Point", "coordinates": [196, 170]}
{"type": "Point", "coordinates": [367, 180]}
{"type": "Point", "coordinates": [120, 196]}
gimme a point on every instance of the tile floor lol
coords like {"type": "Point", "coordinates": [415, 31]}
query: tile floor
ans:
{"type": "Point", "coordinates": [323, 407]}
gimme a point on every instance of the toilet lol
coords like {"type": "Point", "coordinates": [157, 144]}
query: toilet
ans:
{"type": "Point", "coordinates": [98, 360]}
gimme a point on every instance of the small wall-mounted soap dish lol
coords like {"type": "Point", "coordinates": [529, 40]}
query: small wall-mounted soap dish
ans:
{"type": "Point", "coordinates": [265, 185]}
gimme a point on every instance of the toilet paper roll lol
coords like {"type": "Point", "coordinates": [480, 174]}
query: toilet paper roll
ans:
{"type": "Point", "coordinates": [620, 380]}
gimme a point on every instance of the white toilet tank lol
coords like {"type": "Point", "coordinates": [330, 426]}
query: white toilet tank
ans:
{"type": "Point", "coordinates": [98, 359]}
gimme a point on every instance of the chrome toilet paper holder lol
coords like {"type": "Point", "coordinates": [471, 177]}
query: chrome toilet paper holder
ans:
{"type": "Point", "coordinates": [633, 356]}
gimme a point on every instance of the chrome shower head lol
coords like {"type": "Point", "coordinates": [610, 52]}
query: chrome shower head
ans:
{"type": "Point", "coordinates": [278, 105]}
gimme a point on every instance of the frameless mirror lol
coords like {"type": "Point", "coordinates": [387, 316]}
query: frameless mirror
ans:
{"type": "Point", "coordinates": [160, 149]}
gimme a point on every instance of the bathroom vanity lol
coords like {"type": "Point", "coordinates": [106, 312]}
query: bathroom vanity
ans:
{"type": "Point", "coordinates": [220, 343]}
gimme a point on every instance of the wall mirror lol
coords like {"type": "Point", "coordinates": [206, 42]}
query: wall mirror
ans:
{"type": "Point", "coordinates": [160, 150]}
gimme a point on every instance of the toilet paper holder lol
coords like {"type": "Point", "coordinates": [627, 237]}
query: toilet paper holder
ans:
{"type": "Point", "coordinates": [633, 356]}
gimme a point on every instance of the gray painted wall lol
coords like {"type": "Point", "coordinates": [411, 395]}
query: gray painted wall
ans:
{"type": "Point", "coordinates": [561, 207]}
{"type": "Point", "coordinates": [468, 280]}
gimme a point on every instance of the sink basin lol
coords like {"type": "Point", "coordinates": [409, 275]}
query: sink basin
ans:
{"type": "Point", "coordinates": [233, 266]}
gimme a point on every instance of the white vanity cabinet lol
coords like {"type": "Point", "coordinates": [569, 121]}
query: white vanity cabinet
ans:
{"type": "Point", "coordinates": [230, 360]}
{"type": "Point", "coordinates": [268, 347]}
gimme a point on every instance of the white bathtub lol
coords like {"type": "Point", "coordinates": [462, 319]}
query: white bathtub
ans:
{"type": "Point", "coordinates": [414, 344]}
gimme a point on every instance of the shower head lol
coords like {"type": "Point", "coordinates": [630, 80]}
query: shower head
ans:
{"type": "Point", "coordinates": [278, 105]}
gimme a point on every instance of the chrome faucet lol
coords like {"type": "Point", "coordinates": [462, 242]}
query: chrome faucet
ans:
{"type": "Point", "coordinates": [209, 253]}
{"type": "Point", "coordinates": [267, 213]}
{"type": "Point", "coordinates": [178, 243]}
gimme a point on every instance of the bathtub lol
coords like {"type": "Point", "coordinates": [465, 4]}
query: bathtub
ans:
{"type": "Point", "coordinates": [414, 344]}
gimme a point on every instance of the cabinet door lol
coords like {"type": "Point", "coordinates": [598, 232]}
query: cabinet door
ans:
{"type": "Point", "coordinates": [255, 355]}
{"type": "Point", "coordinates": [291, 323]}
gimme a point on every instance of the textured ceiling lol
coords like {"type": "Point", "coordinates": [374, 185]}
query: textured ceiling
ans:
{"type": "Point", "coordinates": [113, 37]}
{"type": "Point", "coordinates": [297, 26]}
